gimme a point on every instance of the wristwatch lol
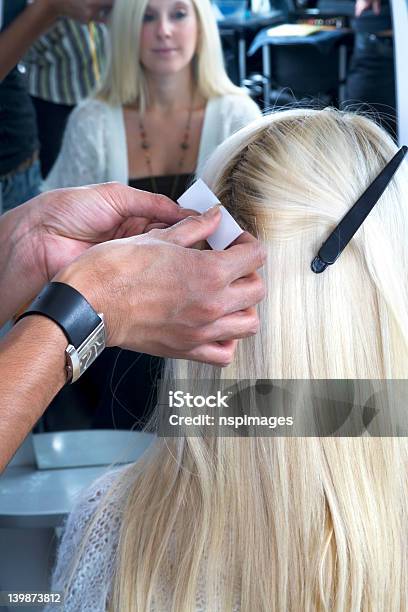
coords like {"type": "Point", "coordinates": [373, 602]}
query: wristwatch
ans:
{"type": "Point", "coordinates": [81, 324]}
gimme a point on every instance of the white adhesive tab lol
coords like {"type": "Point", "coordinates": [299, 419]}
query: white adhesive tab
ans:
{"type": "Point", "coordinates": [199, 197]}
{"type": "Point", "coordinates": [227, 231]}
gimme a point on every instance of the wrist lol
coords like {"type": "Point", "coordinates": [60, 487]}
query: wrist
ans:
{"type": "Point", "coordinates": [45, 344]}
{"type": "Point", "coordinates": [92, 289]}
{"type": "Point", "coordinates": [83, 328]}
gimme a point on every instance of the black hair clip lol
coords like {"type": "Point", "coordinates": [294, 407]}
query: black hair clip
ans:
{"type": "Point", "coordinates": [345, 230]}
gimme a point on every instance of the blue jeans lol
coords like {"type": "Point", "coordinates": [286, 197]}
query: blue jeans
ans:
{"type": "Point", "coordinates": [20, 187]}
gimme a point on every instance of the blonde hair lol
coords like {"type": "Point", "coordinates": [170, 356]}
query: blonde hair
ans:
{"type": "Point", "coordinates": [125, 82]}
{"type": "Point", "coordinates": [288, 523]}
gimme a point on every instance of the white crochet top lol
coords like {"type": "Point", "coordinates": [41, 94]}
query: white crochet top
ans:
{"type": "Point", "coordinates": [93, 577]}
{"type": "Point", "coordinates": [91, 583]}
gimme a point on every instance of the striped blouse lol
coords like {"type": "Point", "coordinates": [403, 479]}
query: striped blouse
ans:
{"type": "Point", "coordinates": [65, 64]}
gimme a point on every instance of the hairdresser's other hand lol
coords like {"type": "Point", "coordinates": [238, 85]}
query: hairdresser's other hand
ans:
{"type": "Point", "coordinates": [363, 5]}
{"type": "Point", "coordinates": [44, 235]}
{"type": "Point", "coordinates": [80, 10]}
{"type": "Point", "coordinates": [161, 297]}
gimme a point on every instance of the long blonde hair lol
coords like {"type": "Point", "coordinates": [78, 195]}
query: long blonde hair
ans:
{"type": "Point", "coordinates": [125, 83]}
{"type": "Point", "coordinates": [288, 524]}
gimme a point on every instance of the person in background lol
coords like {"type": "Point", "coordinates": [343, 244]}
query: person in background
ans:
{"type": "Point", "coordinates": [165, 104]}
{"type": "Point", "coordinates": [159, 114]}
{"type": "Point", "coordinates": [21, 23]}
{"type": "Point", "coordinates": [371, 77]}
{"type": "Point", "coordinates": [64, 66]}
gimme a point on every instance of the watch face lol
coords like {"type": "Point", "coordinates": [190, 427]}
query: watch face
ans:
{"type": "Point", "coordinates": [92, 347]}
{"type": "Point", "coordinates": [79, 360]}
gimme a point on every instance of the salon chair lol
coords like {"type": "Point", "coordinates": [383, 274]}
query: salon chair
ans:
{"type": "Point", "coordinates": [38, 490]}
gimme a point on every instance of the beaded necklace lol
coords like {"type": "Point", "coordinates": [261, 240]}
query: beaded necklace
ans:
{"type": "Point", "coordinates": [184, 146]}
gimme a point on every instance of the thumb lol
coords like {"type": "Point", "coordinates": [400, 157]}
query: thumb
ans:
{"type": "Point", "coordinates": [189, 231]}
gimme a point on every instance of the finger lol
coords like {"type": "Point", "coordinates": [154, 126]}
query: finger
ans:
{"type": "Point", "coordinates": [377, 7]}
{"type": "Point", "coordinates": [217, 353]}
{"type": "Point", "coordinates": [155, 225]}
{"type": "Point", "coordinates": [130, 202]}
{"type": "Point", "coordinates": [152, 226]}
{"type": "Point", "coordinates": [243, 238]}
{"type": "Point", "coordinates": [240, 324]}
{"type": "Point", "coordinates": [242, 283]}
{"type": "Point", "coordinates": [188, 232]}
{"type": "Point", "coordinates": [244, 295]}
{"type": "Point", "coordinates": [240, 260]}
{"type": "Point", "coordinates": [156, 207]}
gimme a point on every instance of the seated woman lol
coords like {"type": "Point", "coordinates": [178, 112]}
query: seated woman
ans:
{"type": "Point", "coordinates": [273, 524]}
{"type": "Point", "coordinates": [165, 104]}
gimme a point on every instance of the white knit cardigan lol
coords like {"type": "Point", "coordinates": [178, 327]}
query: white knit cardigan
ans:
{"type": "Point", "coordinates": [91, 583]}
{"type": "Point", "coordinates": [90, 586]}
{"type": "Point", "coordinates": [94, 146]}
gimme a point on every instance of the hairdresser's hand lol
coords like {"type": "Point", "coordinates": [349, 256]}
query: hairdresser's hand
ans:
{"type": "Point", "coordinates": [162, 298]}
{"type": "Point", "coordinates": [80, 10]}
{"type": "Point", "coordinates": [363, 5]}
{"type": "Point", "coordinates": [44, 235]}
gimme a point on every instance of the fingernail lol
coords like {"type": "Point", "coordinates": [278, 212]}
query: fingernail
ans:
{"type": "Point", "coordinates": [211, 212]}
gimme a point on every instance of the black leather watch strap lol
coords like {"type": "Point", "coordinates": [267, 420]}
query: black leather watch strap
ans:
{"type": "Point", "coordinates": [68, 308]}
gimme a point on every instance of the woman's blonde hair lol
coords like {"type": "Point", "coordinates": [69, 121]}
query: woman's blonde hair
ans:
{"type": "Point", "coordinates": [288, 524]}
{"type": "Point", "coordinates": [125, 82]}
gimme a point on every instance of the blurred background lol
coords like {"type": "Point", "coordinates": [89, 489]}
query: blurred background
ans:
{"type": "Point", "coordinates": [314, 53]}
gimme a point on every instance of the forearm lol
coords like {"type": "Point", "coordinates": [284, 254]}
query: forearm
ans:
{"type": "Point", "coordinates": [32, 366]}
{"type": "Point", "coordinates": [17, 38]}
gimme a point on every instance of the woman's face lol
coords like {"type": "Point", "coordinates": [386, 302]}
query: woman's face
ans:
{"type": "Point", "coordinates": [169, 36]}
